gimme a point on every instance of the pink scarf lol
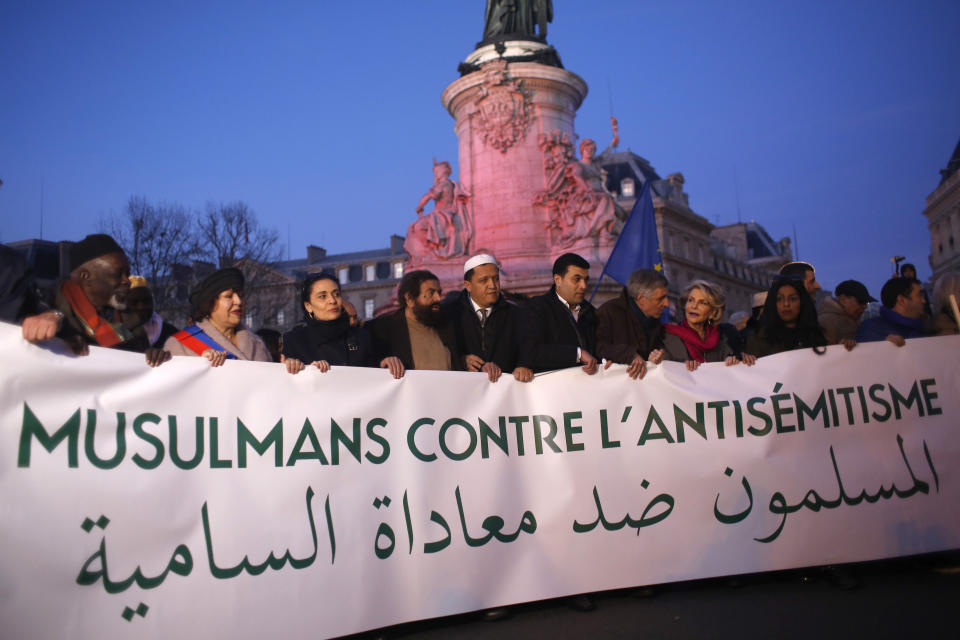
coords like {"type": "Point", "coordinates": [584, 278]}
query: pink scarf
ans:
{"type": "Point", "coordinates": [695, 346]}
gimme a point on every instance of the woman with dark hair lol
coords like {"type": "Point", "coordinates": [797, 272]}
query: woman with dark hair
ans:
{"type": "Point", "coordinates": [326, 338]}
{"type": "Point", "coordinates": [697, 339]}
{"type": "Point", "coordinates": [788, 322]}
{"type": "Point", "coordinates": [217, 333]}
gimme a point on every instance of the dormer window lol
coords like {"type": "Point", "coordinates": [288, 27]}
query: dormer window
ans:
{"type": "Point", "coordinates": [627, 188]}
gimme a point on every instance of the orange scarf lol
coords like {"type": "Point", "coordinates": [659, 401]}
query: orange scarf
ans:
{"type": "Point", "coordinates": [95, 326]}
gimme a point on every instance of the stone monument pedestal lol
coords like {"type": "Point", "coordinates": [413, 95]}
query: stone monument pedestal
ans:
{"type": "Point", "coordinates": [528, 197]}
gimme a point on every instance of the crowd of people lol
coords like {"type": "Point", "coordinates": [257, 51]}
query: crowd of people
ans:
{"type": "Point", "coordinates": [480, 328]}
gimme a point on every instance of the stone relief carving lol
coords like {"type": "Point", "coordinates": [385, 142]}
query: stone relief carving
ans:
{"type": "Point", "coordinates": [503, 108]}
{"type": "Point", "coordinates": [447, 230]}
{"type": "Point", "coordinates": [576, 197]}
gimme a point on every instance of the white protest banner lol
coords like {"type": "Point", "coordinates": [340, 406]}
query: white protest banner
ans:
{"type": "Point", "coordinates": [245, 502]}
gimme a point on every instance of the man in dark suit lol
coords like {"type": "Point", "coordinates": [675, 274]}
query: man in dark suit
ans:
{"type": "Point", "coordinates": [486, 325]}
{"type": "Point", "coordinates": [417, 332]}
{"type": "Point", "coordinates": [560, 326]}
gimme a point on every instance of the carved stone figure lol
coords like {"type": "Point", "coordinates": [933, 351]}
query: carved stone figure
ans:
{"type": "Point", "coordinates": [576, 196]}
{"type": "Point", "coordinates": [517, 18]}
{"type": "Point", "coordinates": [503, 108]}
{"type": "Point", "coordinates": [447, 230]}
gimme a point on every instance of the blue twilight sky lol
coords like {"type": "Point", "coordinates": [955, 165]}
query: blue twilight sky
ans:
{"type": "Point", "coordinates": [833, 117]}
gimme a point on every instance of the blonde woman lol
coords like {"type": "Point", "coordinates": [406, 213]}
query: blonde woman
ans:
{"type": "Point", "coordinates": [697, 339]}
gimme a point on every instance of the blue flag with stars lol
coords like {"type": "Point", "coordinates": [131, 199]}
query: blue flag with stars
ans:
{"type": "Point", "coordinates": [638, 246]}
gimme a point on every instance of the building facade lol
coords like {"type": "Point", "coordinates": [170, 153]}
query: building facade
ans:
{"type": "Point", "coordinates": [742, 257]}
{"type": "Point", "coordinates": [943, 219]}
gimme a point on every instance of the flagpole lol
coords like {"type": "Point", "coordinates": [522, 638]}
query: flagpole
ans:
{"type": "Point", "coordinates": [598, 282]}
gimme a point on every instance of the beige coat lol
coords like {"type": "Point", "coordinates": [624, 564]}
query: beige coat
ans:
{"type": "Point", "coordinates": [249, 345]}
{"type": "Point", "coordinates": [836, 323]}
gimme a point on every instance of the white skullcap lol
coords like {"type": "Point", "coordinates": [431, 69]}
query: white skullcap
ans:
{"type": "Point", "coordinates": [477, 260]}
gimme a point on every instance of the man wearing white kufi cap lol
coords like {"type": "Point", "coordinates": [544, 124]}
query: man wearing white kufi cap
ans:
{"type": "Point", "coordinates": [486, 325]}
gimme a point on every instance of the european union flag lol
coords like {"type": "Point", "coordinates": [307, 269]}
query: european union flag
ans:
{"type": "Point", "coordinates": [637, 247]}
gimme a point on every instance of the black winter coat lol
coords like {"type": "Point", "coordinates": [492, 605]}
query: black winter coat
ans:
{"type": "Point", "coordinates": [332, 340]}
{"type": "Point", "coordinates": [499, 339]}
{"type": "Point", "coordinates": [552, 336]}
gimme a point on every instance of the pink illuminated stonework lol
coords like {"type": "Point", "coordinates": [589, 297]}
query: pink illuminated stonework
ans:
{"type": "Point", "coordinates": [522, 194]}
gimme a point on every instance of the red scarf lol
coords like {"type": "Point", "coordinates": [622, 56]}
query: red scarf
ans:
{"type": "Point", "coordinates": [692, 341]}
{"type": "Point", "coordinates": [96, 326]}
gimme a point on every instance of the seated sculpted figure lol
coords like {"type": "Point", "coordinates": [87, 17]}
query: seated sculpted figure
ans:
{"type": "Point", "coordinates": [447, 230]}
{"type": "Point", "coordinates": [584, 207]}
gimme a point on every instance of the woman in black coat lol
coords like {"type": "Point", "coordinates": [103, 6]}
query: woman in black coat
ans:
{"type": "Point", "coordinates": [789, 321]}
{"type": "Point", "coordinates": [326, 338]}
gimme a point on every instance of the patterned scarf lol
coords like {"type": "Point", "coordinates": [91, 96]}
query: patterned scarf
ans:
{"type": "Point", "coordinates": [106, 334]}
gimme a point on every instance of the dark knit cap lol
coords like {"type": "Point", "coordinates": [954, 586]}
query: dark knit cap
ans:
{"type": "Point", "coordinates": [211, 286]}
{"type": "Point", "coordinates": [91, 247]}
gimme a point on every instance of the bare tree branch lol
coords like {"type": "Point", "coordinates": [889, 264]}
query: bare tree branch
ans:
{"type": "Point", "coordinates": [154, 238]}
{"type": "Point", "coordinates": [230, 235]}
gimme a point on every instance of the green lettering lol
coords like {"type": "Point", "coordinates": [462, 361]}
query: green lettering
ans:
{"type": "Point", "coordinates": [89, 437]}
{"type": "Point", "coordinates": [198, 438]}
{"type": "Point", "coordinates": [380, 440]}
{"type": "Point", "coordinates": [605, 442]}
{"type": "Point", "coordinates": [654, 417]}
{"type": "Point", "coordinates": [274, 438]}
{"type": "Point", "coordinates": [307, 434]}
{"type": "Point", "coordinates": [569, 429]}
{"type": "Point", "coordinates": [149, 438]}
{"type": "Point", "coordinates": [913, 398]}
{"type": "Point", "coordinates": [846, 392]}
{"type": "Point", "coordinates": [411, 443]}
{"type": "Point", "coordinates": [32, 429]}
{"type": "Point", "coordinates": [681, 418]}
{"type": "Point", "coordinates": [719, 405]}
{"type": "Point", "coordinates": [539, 438]}
{"type": "Point", "coordinates": [820, 406]}
{"type": "Point", "coordinates": [338, 437]}
{"type": "Point", "coordinates": [457, 422]}
{"type": "Point", "coordinates": [874, 388]}
{"type": "Point", "coordinates": [767, 422]}
{"type": "Point", "coordinates": [779, 412]}
{"type": "Point", "coordinates": [499, 438]}
{"type": "Point", "coordinates": [929, 397]}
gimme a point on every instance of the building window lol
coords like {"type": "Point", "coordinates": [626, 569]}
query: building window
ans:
{"type": "Point", "coordinates": [343, 275]}
{"type": "Point", "coordinates": [627, 187]}
{"type": "Point", "coordinates": [248, 320]}
{"type": "Point", "coordinates": [368, 307]}
{"type": "Point", "coordinates": [397, 270]}
{"type": "Point", "coordinates": [370, 272]}
{"type": "Point", "coordinates": [356, 273]}
{"type": "Point", "coordinates": [280, 318]}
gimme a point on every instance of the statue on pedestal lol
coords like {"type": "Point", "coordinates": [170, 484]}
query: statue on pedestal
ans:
{"type": "Point", "coordinates": [446, 231]}
{"type": "Point", "coordinates": [576, 196]}
{"type": "Point", "coordinates": [517, 19]}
